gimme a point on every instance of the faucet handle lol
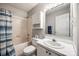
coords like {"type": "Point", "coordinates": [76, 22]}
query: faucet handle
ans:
{"type": "Point", "coordinates": [53, 40]}
{"type": "Point", "coordinates": [36, 36]}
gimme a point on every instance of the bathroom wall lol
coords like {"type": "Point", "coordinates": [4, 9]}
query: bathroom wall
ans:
{"type": "Point", "coordinates": [29, 29]}
{"type": "Point", "coordinates": [19, 22]}
{"type": "Point", "coordinates": [75, 19]}
{"type": "Point", "coordinates": [75, 16]}
{"type": "Point", "coordinates": [77, 41]}
{"type": "Point", "coordinates": [19, 30]}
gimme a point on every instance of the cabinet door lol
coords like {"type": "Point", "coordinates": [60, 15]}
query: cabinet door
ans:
{"type": "Point", "coordinates": [41, 51]}
{"type": "Point", "coordinates": [44, 52]}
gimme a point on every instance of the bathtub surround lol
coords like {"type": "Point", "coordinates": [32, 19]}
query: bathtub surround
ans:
{"type": "Point", "coordinates": [6, 46]}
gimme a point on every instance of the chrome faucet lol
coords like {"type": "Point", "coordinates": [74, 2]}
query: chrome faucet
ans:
{"type": "Point", "coordinates": [53, 40]}
{"type": "Point", "coordinates": [36, 36]}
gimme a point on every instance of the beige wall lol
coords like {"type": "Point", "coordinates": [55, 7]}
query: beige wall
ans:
{"type": "Point", "coordinates": [29, 29]}
{"type": "Point", "coordinates": [19, 28]}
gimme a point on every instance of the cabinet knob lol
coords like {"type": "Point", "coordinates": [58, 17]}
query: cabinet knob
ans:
{"type": "Point", "coordinates": [46, 51]}
{"type": "Point", "coordinates": [49, 53]}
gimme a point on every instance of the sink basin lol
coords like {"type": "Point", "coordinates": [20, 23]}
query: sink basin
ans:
{"type": "Point", "coordinates": [53, 44]}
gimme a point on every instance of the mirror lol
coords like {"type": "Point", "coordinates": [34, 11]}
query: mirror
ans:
{"type": "Point", "coordinates": [58, 21]}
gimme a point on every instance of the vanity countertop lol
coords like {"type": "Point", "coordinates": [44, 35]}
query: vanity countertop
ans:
{"type": "Point", "coordinates": [68, 49]}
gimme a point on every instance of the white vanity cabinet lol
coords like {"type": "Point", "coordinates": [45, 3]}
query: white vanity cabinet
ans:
{"type": "Point", "coordinates": [44, 52]}
{"type": "Point", "coordinates": [38, 20]}
{"type": "Point", "coordinates": [41, 51]}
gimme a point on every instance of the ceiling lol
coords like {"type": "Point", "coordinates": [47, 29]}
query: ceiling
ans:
{"type": "Point", "coordinates": [24, 6]}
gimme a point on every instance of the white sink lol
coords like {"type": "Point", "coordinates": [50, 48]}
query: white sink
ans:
{"type": "Point", "coordinates": [53, 44]}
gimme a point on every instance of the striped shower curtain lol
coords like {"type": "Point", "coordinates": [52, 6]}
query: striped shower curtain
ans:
{"type": "Point", "coordinates": [6, 46]}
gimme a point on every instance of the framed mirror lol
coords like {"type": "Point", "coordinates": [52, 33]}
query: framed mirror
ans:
{"type": "Point", "coordinates": [58, 21]}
